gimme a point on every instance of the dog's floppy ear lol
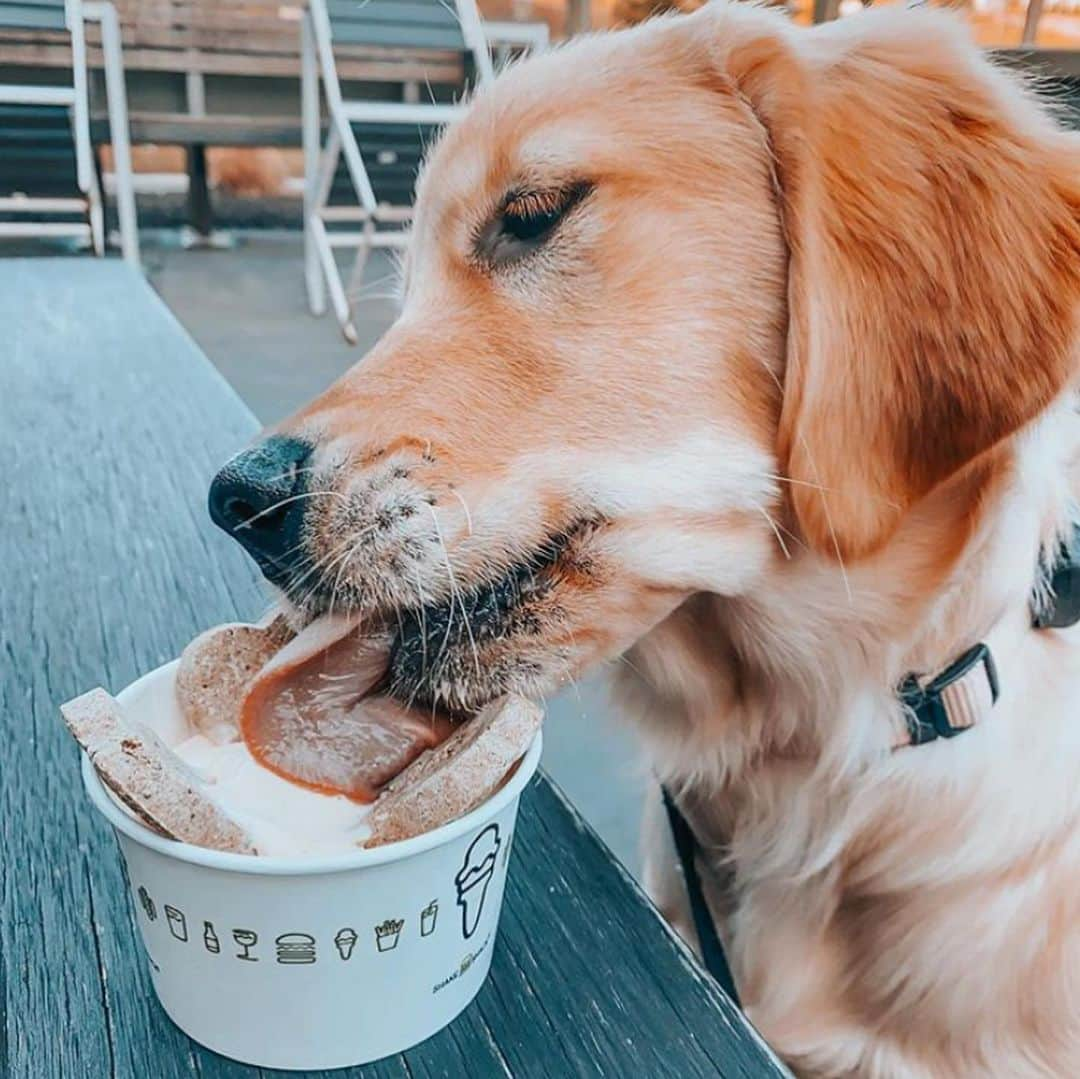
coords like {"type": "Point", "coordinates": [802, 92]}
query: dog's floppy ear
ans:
{"type": "Point", "coordinates": [932, 213]}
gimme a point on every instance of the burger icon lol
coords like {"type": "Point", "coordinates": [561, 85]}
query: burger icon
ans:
{"type": "Point", "coordinates": [295, 948]}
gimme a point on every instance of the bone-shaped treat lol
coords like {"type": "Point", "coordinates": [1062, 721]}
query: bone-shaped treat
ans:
{"type": "Point", "coordinates": [455, 777]}
{"type": "Point", "coordinates": [216, 669]}
{"type": "Point", "coordinates": [148, 777]}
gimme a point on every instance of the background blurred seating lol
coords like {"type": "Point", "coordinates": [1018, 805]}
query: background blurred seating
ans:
{"type": "Point", "coordinates": [48, 185]}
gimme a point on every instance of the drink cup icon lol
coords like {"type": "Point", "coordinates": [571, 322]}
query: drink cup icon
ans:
{"type": "Point", "coordinates": [345, 941]}
{"type": "Point", "coordinates": [474, 876]}
{"type": "Point", "coordinates": [428, 917]}
{"type": "Point", "coordinates": [388, 934]}
{"type": "Point", "coordinates": [177, 922]}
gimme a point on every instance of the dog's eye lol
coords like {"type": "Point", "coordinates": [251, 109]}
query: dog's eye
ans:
{"type": "Point", "coordinates": [533, 214]}
{"type": "Point", "coordinates": [525, 221]}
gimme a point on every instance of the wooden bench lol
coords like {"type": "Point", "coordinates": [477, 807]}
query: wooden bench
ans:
{"type": "Point", "coordinates": [111, 426]}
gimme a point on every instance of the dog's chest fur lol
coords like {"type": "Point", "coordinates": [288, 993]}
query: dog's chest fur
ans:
{"type": "Point", "coordinates": [871, 898]}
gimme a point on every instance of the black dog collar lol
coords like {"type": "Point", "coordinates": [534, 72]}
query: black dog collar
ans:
{"type": "Point", "coordinates": [941, 707]}
{"type": "Point", "coordinates": [956, 699]}
{"type": "Point", "coordinates": [953, 701]}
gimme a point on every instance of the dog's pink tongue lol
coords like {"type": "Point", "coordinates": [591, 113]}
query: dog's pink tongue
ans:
{"type": "Point", "coordinates": [308, 717]}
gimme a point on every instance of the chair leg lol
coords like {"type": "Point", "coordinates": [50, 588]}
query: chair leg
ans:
{"type": "Point", "coordinates": [313, 274]}
{"type": "Point", "coordinates": [97, 229]}
{"type": "Point", "coordinates": [309, 112]}
{"type": "Point", "coordinates": [332, 275]}
{"type": "Point", "coordinates": [315, 197]}
{"type": "Point", "coordinates": [96, 214]}
{"type": "Point", "coordinates": [119, 134]}
{"type": "Point", "coordinates": [200, 213]}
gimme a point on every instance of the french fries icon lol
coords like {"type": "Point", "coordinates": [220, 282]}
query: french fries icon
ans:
{"type": "Point", "coordinates": [388, 934]}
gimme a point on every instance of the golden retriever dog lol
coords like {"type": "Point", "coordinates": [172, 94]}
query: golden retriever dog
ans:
{"type": "Point", "coordinates": [746, 353]}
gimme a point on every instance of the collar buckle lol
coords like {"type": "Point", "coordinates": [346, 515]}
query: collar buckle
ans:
{"type": "Point", "coordinates": [954, 700]}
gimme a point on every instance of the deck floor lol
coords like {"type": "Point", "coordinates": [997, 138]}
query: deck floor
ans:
{"type": "Point", "coordinates": [246, 308]}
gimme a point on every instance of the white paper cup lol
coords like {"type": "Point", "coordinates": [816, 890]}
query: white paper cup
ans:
{"type": "Point", "coordinates": [311, 963]}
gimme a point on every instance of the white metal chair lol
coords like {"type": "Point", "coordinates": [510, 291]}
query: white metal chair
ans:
{"type": "Point", "coordinates": [103, 12]}
{"type": "Point", "coordinates": [47, 166]}
{"type": "Point", "coordinates": [380, 142]}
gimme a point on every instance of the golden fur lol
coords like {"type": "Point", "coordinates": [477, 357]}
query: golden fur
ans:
{"type": "Point", "coordinates": [788, 396]}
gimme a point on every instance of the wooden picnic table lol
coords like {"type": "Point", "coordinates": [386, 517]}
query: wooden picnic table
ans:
{"type": "Point", "coordinates": [111, 425]}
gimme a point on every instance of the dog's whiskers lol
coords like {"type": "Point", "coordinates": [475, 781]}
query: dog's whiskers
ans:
{"type": "Point", "coordinates": [776, 531]}
{"type": "Point", "coordinates": [284, 502]}
{"type": "Point", "coordinates": [829, 522]}
{"type": "Point", "coordinates": [289, 474]}
{"type": "Point", "coordinates": [317, 566]}
{"type": "Point", "coordinates": [351, 545]}
{"type": "Point", "coordinates": [465, 506]}
{"type": "Point", "coordinates": [423, 634]}
{"type": "Point", "coordinates": [455, 593]}
{"type": "Point", "coordinates": [777, 478]}
{"type": "Point", "coordinates": [625, 659]}
{"type": "Point", "coordinates": [363, 290]}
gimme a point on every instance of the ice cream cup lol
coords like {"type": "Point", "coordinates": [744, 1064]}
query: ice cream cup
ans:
{"type": "Point", "coordinates": [311, 963]}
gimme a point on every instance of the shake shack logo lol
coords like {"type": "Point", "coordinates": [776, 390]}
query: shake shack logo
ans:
{"type": "Point", "coordinates": [474, 876]}
{"type": "Point", "coordinates": [463, 967]}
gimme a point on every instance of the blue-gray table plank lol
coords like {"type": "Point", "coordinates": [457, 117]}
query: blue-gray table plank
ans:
{"type": "Point", "coordinates": [111, 425]}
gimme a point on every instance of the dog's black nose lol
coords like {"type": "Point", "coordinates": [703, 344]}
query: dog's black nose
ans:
{"type": "Point", "coordinates": [255, 499]}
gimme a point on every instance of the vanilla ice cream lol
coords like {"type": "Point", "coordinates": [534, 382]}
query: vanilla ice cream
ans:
{"type": "Point", "coordinates": [281, 818]}
{"type": "Point", "coordinates": [295, 765]}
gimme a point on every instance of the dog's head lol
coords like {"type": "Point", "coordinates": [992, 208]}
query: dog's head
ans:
{"type": "Point", "coordinates": [650, 274]}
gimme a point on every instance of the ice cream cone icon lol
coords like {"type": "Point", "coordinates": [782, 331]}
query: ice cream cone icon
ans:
{"type": "Point", "coordinates": [474, 876]}
{"type": "Point", "coordinates": [345, 941]}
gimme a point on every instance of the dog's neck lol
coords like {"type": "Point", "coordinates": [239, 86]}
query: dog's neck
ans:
{"type": "Point", "coordinates": [805, 668]}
